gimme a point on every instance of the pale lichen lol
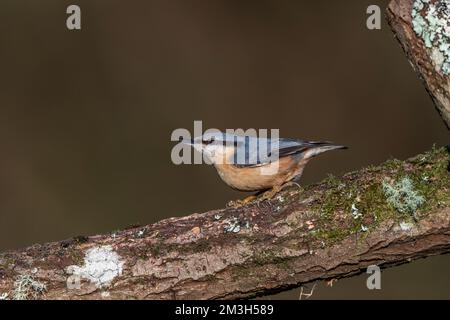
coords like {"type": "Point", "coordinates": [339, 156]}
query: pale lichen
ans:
{"type": "Point", "coordinates": [406, 226]}
{"type": "Point", "coordinates": [26, 287]}
{"type": "Point", "coordinates": [141, 232]}
{"type": "Point", "coordinates": [402, 196]}
{"type": "Point", "coordinates": [233, 226]}
{"type": "Point", "coordinates": [431, 22]}
{"type": "Point", "coordinates": [101, 266]}
{"type": "Point", "coordinates": [4, 296]}
{"type": "Point", "coordinates": [355, 212]}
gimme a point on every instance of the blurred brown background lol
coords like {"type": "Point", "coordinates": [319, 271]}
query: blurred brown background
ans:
{"type": "Point", "coordinates": [86, 116]}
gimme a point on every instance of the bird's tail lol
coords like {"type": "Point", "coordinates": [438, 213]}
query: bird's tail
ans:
{"type": "Point", "coordinates": [318, 147]}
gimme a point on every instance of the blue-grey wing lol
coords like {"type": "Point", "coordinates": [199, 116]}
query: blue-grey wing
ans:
{"type": "Point", "coordinates": [254, 152]}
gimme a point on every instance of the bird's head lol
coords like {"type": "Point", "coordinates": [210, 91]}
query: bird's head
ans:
{"type": "Point", "coordinates": [217, 146]}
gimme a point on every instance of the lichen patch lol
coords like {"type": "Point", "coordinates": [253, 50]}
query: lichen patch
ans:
{"type": "Point", "coordinates": [101, 266]}
{"type": "Point", "coordinates": [402, 196]}
{"type": "Point", "coordinates": [26, 287]}
{"type": "Point", "coordinates": [431, 22]}
{"type": "Point", "coordinates": [406, 226]}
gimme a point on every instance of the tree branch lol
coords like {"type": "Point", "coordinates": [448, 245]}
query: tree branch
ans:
{"type": "Point", "coordinates": [330, 230]}
{"type": "Point", "coordinates": [427, 61]}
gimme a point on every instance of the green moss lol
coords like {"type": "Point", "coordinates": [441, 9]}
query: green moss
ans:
{"type": "Point", "coordinates": [392, 164]}
{"type": "Point", "coordinates": [332, 235]}
{"type": "Point", "coordinates": [268, 257]}
{"type": "Point", "coordinates": [3, 261]}
{"type": "Point", "coordinates": [156, 248]}
{"type": "Point", "coordinates": [426, 174]}
{"type": "Point", "coordinates": [76, 256]}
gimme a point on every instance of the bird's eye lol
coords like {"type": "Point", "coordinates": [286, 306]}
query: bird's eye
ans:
{"type": "Point", "coordinates": [208, 141]}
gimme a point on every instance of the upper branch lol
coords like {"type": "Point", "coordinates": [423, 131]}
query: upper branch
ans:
{"type": "Point", "coordinates": [426, 44]}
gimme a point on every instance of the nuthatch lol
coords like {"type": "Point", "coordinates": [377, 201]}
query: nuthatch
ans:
{"type": "Point", "coordinates": [248, 163]}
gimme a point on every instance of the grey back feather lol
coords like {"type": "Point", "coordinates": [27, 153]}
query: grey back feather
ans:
{"type": "Point", "coordinates": [253, 152]}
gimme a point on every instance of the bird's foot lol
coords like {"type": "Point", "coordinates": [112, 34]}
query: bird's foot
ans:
{"type": "Point", "coordinates": [270, 194]}
{"type": "Point", "coordinates": [267, 195]}
{"type": "Point", "coordinates": [291, 184]}
{"type": "Point", "coordinates": [240, 203]}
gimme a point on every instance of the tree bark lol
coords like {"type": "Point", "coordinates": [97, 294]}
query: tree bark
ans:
{"type": "Point", "coordinates": [334, 229]}
{"type": "Point", "coordinates": [422, 59]}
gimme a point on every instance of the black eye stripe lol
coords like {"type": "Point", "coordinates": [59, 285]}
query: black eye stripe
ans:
{"type": "Point", "coordinates": [208, 141]}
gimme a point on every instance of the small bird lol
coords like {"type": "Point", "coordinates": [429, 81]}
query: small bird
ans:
{"type": "Point", "coordinates": [248, 163]}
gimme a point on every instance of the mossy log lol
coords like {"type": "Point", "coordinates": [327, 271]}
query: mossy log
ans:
{"type": "Point", "coordinates": [333, 229]}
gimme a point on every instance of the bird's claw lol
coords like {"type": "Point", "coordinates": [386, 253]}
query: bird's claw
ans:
{"type": "Point", "coordinates": [240, 203]}
{"type": "Point", "coordinates": [291, 184]}
{"type": "Point", "coordinates": [267, 195]}
{"type": "Point", "coordinates": [270, 194]}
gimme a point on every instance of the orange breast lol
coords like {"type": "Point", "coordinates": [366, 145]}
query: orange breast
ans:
{"type": "Point", "coordinates": [262, 177]}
